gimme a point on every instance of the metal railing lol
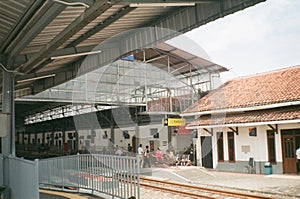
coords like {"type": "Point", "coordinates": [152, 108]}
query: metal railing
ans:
{"type": "Point", "coordinates": [117, 176]}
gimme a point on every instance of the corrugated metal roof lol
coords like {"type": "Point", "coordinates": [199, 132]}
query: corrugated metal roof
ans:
{"type": "Point", "coordinates": [53, 29]}
{"type": "Point", "coordinates": [33, 31]}
{"type": "Point", "coordinates": [11, 12]}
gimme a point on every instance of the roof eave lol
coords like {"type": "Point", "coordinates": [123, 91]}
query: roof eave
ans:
{"type": "Point", "coordinates": [242, 109]}
{"type": "Point", "coordinates": [245, 124]}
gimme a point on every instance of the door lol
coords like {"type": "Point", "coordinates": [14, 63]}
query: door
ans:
{"type": "Point", "coordinates": [134, 147]}
{"type": "Point", "coordinates": [289, 150]}
{"type": "Point", "coordinates": [290, 141]}
{"type": "Point", "coordinates": [206, 152]}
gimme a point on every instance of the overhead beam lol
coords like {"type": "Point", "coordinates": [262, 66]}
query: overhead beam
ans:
{"type": "Point", "coordinates": [71, 48]}
{"type": "Point", "coordinates": [34, 8]}
{"type": "Point", "coordinates": [98, 8]}
{"type": "Point", "coordinates": [195, 14]}
{"type": "Point", "coordinates": [33, 27]}
{"type": "Point", "coordinates": [101, 25]}
{"type": "Point", "coordinates": [22, 59]}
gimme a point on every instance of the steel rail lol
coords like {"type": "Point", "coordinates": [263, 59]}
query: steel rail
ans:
{"type": "Point", "coordinates": [178, 192]}
{"type": "Point", "coordinates": [185, 189]}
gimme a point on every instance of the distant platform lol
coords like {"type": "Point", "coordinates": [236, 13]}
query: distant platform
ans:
{"type": "Point", "coordinates": [49, 194]}
{"type": "Point", "coordinates": [282, 185]}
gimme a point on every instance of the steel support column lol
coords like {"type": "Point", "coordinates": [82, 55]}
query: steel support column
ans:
{"type": "Point", "coordinates": [8, 142]}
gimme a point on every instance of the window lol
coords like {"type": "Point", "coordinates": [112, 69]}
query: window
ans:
{"type": "Point", "coordinates": [70, 136]}
{"type": "Point", "coordinates": [126, 135]}
{"type": "Point", "coordinates": [154, 132]}
{"type": "Point", "coordinates": [220, 147]}
{"type": "Point", "coordinates": [104, 136]}
{"type": "Point", "coordinates": [271, 146]}
{"type": "Point", "coordinates": [231, 149]}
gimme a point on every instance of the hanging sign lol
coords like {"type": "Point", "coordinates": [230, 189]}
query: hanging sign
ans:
{"type": "Point", "coordinates": [174, 122]}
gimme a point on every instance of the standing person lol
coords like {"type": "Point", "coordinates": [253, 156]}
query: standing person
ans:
{"type": "Point", "coordinates": [141, 154]}
{"type": "Point", "coordinates": [129, 148]}
{"type": "Point", "coordinates": [298, 159]}
{"type": "Point", "coordinates": [146, 157]}
{"type": "Point", "coordinates": [119, 151]}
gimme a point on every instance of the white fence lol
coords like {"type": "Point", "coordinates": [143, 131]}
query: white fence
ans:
{"type": "Point", "coordinates": [23, 177]}
{"type": "Point", "coordinates": [117, 176]}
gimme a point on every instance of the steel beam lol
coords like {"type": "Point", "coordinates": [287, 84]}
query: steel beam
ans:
{"type": "Point", "coordinates": [8, 142]}
{"type": "Point", "coordinates": [33, 27]}
{"type": "Point", "coordinates": [98, 8]}
{"type": "Point", "coordinates": [25, 19]}
{"type": "Point", "coordinates": [180, 19]}
{"type": "Point", "coordinates": [102, 25]}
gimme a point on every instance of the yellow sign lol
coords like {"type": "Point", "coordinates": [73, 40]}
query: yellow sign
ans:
{"type": "Point", "coordinates": [174, 122]}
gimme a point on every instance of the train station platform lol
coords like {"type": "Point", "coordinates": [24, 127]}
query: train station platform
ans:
{"type": "Point", "coordinates": [280, 185]}
{"type": "Point", "coordinates": [50, 194]}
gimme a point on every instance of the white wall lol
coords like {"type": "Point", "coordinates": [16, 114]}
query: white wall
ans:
{"type": "Point", "coordinates": [258, 144]}
{"type": "Point", "coordinates": [144, 136]}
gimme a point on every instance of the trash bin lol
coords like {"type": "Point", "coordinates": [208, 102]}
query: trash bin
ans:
{"type": "Point", "coordinates": [268, 168]}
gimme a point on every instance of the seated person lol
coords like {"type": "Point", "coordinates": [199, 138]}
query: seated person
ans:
{"type": "Point", "coordinates": [159, 156]}
{"type": "Point", "coordinates": [185, 161]}
{"type": "Point", "coordinates": [170, 159]}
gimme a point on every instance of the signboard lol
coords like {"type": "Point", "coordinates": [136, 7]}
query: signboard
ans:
{"type": "Point", "coordinates": [252, 131]}
{"type": "Point", "coordinates": [3, 124]}
{"type": "Point", "coordinates": [183, 131]}
{"type": "Point", "coordinates": [174, 122]}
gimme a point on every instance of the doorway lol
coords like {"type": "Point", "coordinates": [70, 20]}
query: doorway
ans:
{"type": "Point", "coordinates": [206, 151]}
{"type": "Point", "coordinates": [290, 142]}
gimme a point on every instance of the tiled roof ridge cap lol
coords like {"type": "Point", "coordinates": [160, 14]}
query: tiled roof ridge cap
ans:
{"type": "Point", "coordinates": [264, 73]}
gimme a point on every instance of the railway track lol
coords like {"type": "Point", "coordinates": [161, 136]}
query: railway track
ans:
{"type": "Point", "coordinates": [193, 191]}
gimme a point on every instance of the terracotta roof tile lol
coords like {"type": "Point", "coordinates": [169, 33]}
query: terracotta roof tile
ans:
{"type": "Point", "coordinates": [261, 89]}
{"type": "Point", "coordinates": [278, 114]}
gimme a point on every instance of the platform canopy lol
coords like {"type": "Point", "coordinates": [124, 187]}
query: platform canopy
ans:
{"type": "Point", "coordinates": [44, 42]}
{"type": "Point", "coordinates": [156, 78]}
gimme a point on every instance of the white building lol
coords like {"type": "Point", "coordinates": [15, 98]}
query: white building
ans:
{"type": "Point", "coordinates": [251, 117]}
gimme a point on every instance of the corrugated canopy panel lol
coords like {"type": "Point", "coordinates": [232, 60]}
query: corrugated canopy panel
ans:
{"type": "Point", "coordinates": [33, 32]}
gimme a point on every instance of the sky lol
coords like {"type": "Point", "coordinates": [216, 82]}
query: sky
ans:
{"type": "Point", "coordinates": [261, 38]}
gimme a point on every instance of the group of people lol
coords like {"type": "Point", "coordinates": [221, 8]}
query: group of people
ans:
{"type": "Point", "coordinates": [148, 159]}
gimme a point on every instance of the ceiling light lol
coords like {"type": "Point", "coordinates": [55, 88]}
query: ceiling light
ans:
{"type": "Point", "coordinates": [76, 55]}
{"type": "Point", "coordinates": [140, 5]}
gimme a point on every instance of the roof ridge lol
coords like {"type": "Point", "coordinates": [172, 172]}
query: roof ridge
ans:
{"type": "Point", "coordinates": [264, 73]}
{"type": "Point", "coordinates": [271, 87]}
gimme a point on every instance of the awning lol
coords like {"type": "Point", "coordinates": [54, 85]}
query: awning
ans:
{"type": "Point", "coordinates": [283, 115]}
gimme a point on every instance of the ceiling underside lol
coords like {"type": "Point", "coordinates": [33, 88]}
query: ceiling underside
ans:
{"type": "Point", "coordinates": [45, 42]}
